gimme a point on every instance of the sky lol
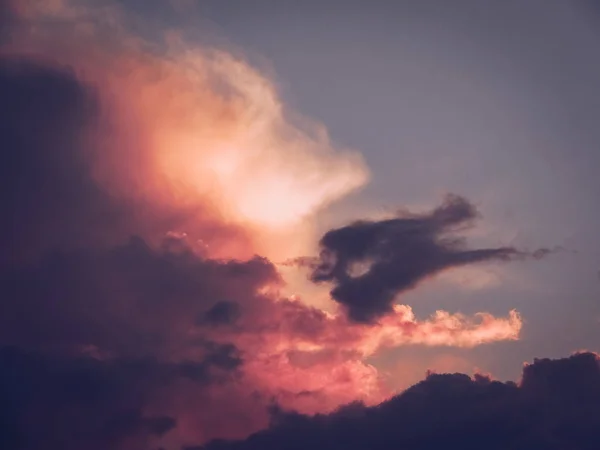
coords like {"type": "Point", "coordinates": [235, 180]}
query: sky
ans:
{"type": "Point", "coordinates": [238, 225]}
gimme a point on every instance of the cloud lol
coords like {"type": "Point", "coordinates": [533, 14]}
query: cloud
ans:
{"type": "Point", "coordinates": [46, 194]}
{"type": "Point", "coordinates": [139, 180]}
{"type": "Point", "coordinates": [221, 313]}
{"type": "Point", "coordinates": [170, 305]}
{"type": "Point", "coordinates": [70, 402]}
{"type": "Point", "coordinates": [370, 263]}
{"type": "Point", "coordinates": [129, 299]}
{"type": "Point", "coordinates": [556, 405]}
{"type": "Point", "coordinates": [216, 152]}
{"type": "Point", "coordinates": [125, 305]}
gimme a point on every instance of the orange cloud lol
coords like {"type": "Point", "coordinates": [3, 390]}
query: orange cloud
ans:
{"type": "Point", "coordinates": [197, 129]}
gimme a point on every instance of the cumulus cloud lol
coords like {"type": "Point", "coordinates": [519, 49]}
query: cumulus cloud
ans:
{"type": "Point", "coordinates": [555, 406]}
{"type": "Point", "coordinates": [216, 154]}
{"type": "Point", "coordinates": [138, 183]}
{"type": "Point", "coordinates": [371, 262]}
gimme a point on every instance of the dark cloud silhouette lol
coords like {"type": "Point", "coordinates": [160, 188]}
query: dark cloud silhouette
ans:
{"type": "Point", "coordinates": [370, 262]}
{"type": "Point", "coordinates": [130, 299]}
{"type": "Point", "coordinates": [100, 337]}
{"type": "Point", "coordinates": [46, 195]}
{"type": "Point", "coordinates": [556, 406]}
{"type": "Point", "coordinates": [75, 402]}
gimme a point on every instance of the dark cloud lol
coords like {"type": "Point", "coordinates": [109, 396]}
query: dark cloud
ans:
{"type": "Point", "coordinates": [556, 406]}
{"type": "Point", "coordinates": [47, 197]}
{"type": "Point", "coordinates": [84, 402]}
{"type": "Point", "coordinates": [396, 254]}
{"type": "Point", "coordinates": [94, 339]}
{"type": "Point", "coordinates": [221, 313]}
{"type": "Point", "coordinates": [7, 18]}
{"type": "Point", "coordinates": [130, 299]}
